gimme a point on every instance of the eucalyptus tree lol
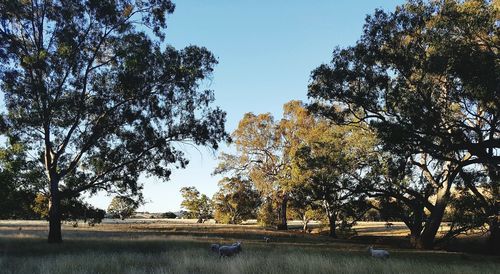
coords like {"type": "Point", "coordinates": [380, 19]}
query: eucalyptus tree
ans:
{"type": "Point", "coordinates": [123, 207]}
{"type": "Point", "coordinates": [426, 78]}
{"type": "Point", "coordinates": [333, 164]}
{"type": "Point", "coordinates": [235, 201]}
{"type": "Point", "coordinates": [97, 98]}
{"type": "Point", "coordinates": [20, 180]}
{"type": "Point", "coordinates": [264, 152]}
{"type": "Point", "coordinates": [402, 192]}
{"type": "Point", "coordinates": [198, 205]}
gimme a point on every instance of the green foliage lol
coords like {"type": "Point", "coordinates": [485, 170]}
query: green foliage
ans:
{"type": "Point", "coordinates": [330, 164]}
{"type": "Point", "coordinates": [197, 206]}
{"type": "Point", "coordinates": [73, 209]}
{"type": "Point", "coordinates": [168, 215]}
{"type": "Point", "coordinates": [96, 99]}
{"type": "Point", "coordinates": [20, 179]}
{"type": "Point", "coordinates": [425, 77]}
{"type": "Point", "coordinates": [267, 214]}
{"type": "Point", "coordinates": [265, 149]}
{"type": "Point", "coordinates": [236, 201]}
{"type": "Point", "coordinates": [123, 207]}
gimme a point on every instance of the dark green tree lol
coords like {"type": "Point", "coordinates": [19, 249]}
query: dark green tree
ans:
{"type": "Point", "coordinates": [123, 207]}
{"type": "Point", "coordinates": [20, 180]}
{"type": "Point", "coordinates": [168, 215]}
{"type": "Point", "coordinates": [426, 78]}
{"type": "Point", "coordinates": [97, 99]}
{"type": "Point", "coordinates": [73, 209]}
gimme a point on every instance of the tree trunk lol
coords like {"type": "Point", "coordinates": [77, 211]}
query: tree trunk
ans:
{"type": "Point", "coordinates": [494, 222]}
{"type": "Point", "coordinates": [305, 222]}
{"type": "Point", "coordinates": [55, 235]}
{"type": "Point", "coordinates": [494, 238]}
{"type": "Point", "coordinates": [332, 220]}
{"type": "Point", "coordinates": [415, 225]}
{"type": "Point", "coordinates": [283, 222]}
{"type": "Point", "coordinates": [415, 234]}
{"type": "Point", "coordinates": [427, 239]}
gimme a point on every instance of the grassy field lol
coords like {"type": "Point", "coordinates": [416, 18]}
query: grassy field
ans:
{"type": "Point", "coordinates": [182, 247]}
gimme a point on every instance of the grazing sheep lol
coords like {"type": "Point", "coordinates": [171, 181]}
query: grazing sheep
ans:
{"type": "Point", "coordinates": [378, 253]}
{"type": "Point", "coordinates": [215, 247]}
{"type": "Point", "coordinates": [267, 239]}
{"type": "Point", "coordinates": [229, 250]}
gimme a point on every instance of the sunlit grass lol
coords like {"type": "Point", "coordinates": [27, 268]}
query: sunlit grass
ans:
{"type": "Point", "coordinates": [106, 249]}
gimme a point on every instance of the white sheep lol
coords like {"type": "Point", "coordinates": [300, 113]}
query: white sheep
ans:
{"type": "Point", "coordinates": [215, 247]}
{"type": "Point", "coordinates": [229, 250]}
{"type": "Point", "coordinates": [378, 253]}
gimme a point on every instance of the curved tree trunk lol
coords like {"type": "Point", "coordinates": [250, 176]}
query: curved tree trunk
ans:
{"type": "Point", "coordinates": [428, 237]}
{"type": "Point", "coordinates": [55, 235]}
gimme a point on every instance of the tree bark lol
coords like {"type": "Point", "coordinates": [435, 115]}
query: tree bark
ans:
{"type": "Point", "coordinates": [415, 235]}
{"type": "Point", "coordinates": [55, 235]}
{"type": "Point", "coordinates": [428, 237]}
{"type": "Point", "coordinates": [305, 222]}
{"type": "Point", "coordinates": [332, 220]}
{"type": "Point", "coordinates": [494, 222]}
{"type": "Point", "coordinates": [283, 222]}
{"type": "Point", "coordinates": [494, 237]}
{"type": "Point", "coordinates": [416, 229]}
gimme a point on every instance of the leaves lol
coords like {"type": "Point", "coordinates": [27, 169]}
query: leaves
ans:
{"type": "Point", "coordinates": [91, 89]}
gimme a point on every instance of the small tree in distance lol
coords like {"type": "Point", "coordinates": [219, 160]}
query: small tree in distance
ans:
{"type": "Point", "coordinates": [235, 201]}
{"type": "Point", "coordinates": [168, 215]}
{"type": "Point", "coordinates": [122, 207]}
{"type": "Point", "coordinates": [198, 206]}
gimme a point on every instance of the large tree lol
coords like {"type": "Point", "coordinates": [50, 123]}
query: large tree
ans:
{"type": "Point", "coordinates": [95, 96]}
{"type": "Point", "coordinates": [333, 163]}
{"type": "Point", "coordinates": [265, 149]}
{"type": "Point", "coordinates": [403, 192]}
{"type": "Point", "coordinates": [426, 76]}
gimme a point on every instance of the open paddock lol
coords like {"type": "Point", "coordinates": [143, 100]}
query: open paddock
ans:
{"type": "Point", "coordinates": [159, 246]}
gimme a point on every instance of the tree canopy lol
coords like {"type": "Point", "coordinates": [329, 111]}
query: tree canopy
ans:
{"type": "Point", "coordinates": [198, 205]}
{"type": "Point", "coordinates": [237, 200]}
{"type": "Point", "coordinates": [98, 99]}
{"type": "Point", "coordinates": [122, 207]}
{"type": "Point", "coordinates": [426, 78]}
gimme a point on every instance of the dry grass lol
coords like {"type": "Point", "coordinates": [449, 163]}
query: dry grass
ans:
{"type": "Point", "coordinates": [184, 248]}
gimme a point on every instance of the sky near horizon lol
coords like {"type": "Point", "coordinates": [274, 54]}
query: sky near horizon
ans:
{"type": "Point", "coordinates": [266, 52]}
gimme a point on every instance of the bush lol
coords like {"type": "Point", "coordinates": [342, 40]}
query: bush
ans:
{"type": "Point", "coordinates": [169, 215]}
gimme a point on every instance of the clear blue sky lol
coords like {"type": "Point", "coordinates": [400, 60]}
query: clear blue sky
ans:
{"type": "Point", "coordinates": [266, 52]}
